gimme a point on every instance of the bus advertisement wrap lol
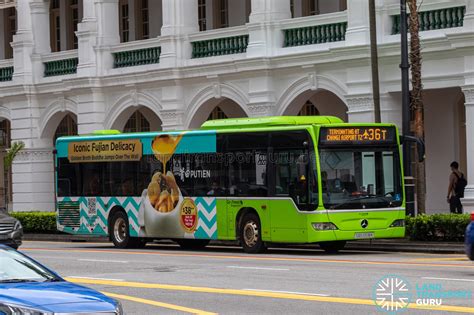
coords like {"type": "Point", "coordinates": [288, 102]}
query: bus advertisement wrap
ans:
{"type": "Point", "coordinates": [161, 210]}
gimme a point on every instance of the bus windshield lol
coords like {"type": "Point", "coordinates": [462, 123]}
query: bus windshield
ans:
{"type": "Point", "coordinates": [360, 178]}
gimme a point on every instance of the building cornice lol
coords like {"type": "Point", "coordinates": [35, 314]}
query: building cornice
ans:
{"type": "Point", "coordinates": [339, 57]}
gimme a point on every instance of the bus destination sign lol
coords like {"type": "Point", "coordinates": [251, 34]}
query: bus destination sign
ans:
{"type": "Point", "coordinates": [369, 135]}
{"type": "Point", "coordinates": [105, 151]}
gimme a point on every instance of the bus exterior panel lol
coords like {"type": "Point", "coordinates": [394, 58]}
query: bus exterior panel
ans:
{"type": "Point", "coordinates": [307, 183]}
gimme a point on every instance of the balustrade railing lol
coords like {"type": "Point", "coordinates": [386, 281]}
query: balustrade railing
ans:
{"type": "Point", "coordinates": [435, 19]}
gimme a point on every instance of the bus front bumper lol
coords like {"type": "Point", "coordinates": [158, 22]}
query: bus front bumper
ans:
{"type": "Point", "coordinates": [331, 235]}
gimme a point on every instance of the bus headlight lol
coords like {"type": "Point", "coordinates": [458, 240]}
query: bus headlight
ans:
{"type": "Point", "coordinates": [324, 226]}
{"type": "Point", "coordinates": [398, 223]}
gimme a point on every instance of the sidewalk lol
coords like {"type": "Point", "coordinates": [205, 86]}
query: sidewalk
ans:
{"type": "Point", "coordinates": [389, 245]}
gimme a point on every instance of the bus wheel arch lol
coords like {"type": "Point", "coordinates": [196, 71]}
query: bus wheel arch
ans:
{"type": "Point", "coordinates": [238, 219]}
{"type": "Point", "coordinates": [249, 231]}
{"type": "Point", "coordinates": [119, 230]}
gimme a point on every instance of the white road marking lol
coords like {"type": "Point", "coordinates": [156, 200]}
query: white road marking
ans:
{"type": "Point", "coordinates": [448, 279]}
{"type": "Point", "coordinates": [258, 268]}
{"type": "Point", "coordinates": [287, 292]}
{"type": "Point", "coordinates": [105, 261]}
{"type": "Point", "coordinates": [91, 278]}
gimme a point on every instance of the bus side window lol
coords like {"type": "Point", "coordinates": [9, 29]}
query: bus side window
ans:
{"type": "Point", "coordinates": [69, 178]}
{"type": "Point", "coordinates": [246, 159]}
{"type": "Point", "coordinates": [294, 174]}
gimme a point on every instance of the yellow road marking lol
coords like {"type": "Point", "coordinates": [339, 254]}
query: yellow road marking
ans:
{"type": "Point", "coordinates": [252, 257]}
{"type": "Point", "coordinates": [289, 296]}
{"type": "Point", "coordinates": [159, 304]}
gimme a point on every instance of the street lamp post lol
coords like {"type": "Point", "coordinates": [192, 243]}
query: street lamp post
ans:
{"type": "Point", "coordinates": [404, 66]}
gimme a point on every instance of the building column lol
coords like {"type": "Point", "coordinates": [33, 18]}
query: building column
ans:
{"type": "Point", "coordinates": [32, 169]}
{"type": "Point", "coordinates": [31, 40]}
{"type": "Point", "coordinates": [262, 100]}
{"type": "Point", "coordinates": [468, 22]}
{"type": "Point", "coordinates": [86, 37]}
{"type": "Point", "coordinates": [90, 111]}
{"type": "Point", "coordinates": [265, 35]}
{"type": "Point", "coordinates": [98, 31]}
{"type": "Point", "coordinates": [391, 109]}
{"type": "Point", "coordinates": [172, 111]}
{"type": "Point", "coordinates": [357, 23]}
{"type": "Point", "coordinates": [180, 18]}
{"type": "Point", "coordinates": [360, 108]}
{"type": "Point", "coordinates": [468, 201]}
{"type": "Point", "coordinates": [33, 180]}
{"type": "Point", "coordinates": [23, 43]}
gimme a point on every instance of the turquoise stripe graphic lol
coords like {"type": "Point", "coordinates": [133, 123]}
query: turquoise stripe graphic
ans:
{"type": "Point", "coordinates": [97, 223]}
{"type": "Point", "coordinates": [207, 228]}
{"type": "Point", "coordinates": [191, 142]}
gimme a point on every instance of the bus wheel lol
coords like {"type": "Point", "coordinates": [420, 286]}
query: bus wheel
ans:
{"type": "Point", "coordinates": [250, 234]}
{"type": "Point", "coordinates": [332, 247]}
{"type": "Point", "coordinates": [119, 231]}
{"type": "Point", "coordinates": [192, 244]}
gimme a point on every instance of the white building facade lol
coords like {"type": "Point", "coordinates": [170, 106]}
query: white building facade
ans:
{"type": "Point", "coordinates": [75, 66]}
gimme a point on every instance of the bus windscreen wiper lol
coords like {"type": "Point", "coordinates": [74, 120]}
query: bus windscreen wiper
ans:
{"type": "Point", "coordinates": [388, 202]}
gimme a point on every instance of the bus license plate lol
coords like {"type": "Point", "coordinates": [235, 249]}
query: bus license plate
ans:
{"type": "Point", "coordinates": [364, 235]}
{"type": "Point", "coordinates": [4, 236]}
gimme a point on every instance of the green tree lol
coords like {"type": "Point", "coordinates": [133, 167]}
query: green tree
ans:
{"type": "Point", "coordinates": [11, 153]}
{"type": "Point", "coordinates": [416, 101]}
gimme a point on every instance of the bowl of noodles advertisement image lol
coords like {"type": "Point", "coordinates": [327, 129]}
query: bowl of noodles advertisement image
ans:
{"type": "Point", "coordinates": [166, 212]}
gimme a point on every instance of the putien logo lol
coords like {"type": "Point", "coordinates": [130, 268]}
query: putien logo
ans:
{"type": "Point", "coordinates": [392, 293]}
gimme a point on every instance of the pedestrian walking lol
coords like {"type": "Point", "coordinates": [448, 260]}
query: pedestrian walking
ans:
{"type": "Point", "coordinates": [457, 184]}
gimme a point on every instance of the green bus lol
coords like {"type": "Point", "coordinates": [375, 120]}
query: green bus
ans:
{"type": "Point", "coordinates": [262, 180]}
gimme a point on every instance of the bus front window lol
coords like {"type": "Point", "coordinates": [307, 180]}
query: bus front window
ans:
{"type": "Point", "coordinates": [360, 178]}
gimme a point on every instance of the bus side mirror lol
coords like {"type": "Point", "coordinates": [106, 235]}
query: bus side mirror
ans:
{"type": "Point", "coordinates": [420, 145]}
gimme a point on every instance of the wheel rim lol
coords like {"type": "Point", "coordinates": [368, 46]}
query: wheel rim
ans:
{"type": "Point", "coordinates": [120, 230]}
{"type": "Point", "coordinates": [250, 233]}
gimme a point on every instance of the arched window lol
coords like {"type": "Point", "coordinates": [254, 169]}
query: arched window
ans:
{"type": "Point", "coordinates": [308, 109]}
{"type": "Point", "coordinates": [67, 127]}
{"type": "Point", "coordinates": [137, 123]}
{"type": "Point", "coordinates": [6, 176]}
{"type": "Point", "coordinates": [5, 133]}
{"type": "Point", "coordinates": [217, 113]}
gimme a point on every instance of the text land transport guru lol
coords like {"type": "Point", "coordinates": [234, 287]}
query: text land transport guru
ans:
{"type": "Point", "coordinates": [104, 147]}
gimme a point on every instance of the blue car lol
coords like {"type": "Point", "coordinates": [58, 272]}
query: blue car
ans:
{"type": "Point", "coordinates": [27, 287]}
{"type": "Point", "coordinates": [470, 238]}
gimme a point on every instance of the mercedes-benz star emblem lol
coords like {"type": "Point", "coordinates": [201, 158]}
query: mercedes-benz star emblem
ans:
{"type": "Point", "coordinates": [364, 223]}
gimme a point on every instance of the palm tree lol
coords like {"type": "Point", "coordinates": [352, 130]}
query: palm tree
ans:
{"type": "Point", "coordinates": [416, 100]}
{"type": "Point", "coordinates": [11, 153]}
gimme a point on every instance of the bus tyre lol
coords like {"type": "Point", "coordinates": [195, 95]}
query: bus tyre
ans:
{"type": "Point", "coordinates": [333, 246]}
{"type": "Point", "coordinates": [192, 244]}
{"type": "Point", "coordinates": [251, 234]}
{"type": "Point", "coordinates": [119, 232]}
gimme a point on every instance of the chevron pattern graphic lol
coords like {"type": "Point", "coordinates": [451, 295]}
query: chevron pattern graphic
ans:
{"type": "Point", "coordinates": [94, 213]}
{"type": "Point", "coordinates": [207, 213]}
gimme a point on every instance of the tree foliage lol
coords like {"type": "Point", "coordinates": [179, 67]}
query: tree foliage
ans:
{"type": "Point", "coordinates": [11, 153]}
